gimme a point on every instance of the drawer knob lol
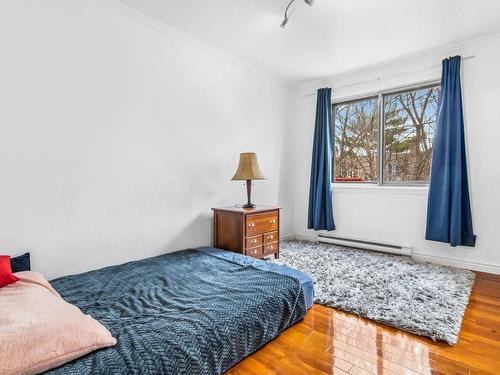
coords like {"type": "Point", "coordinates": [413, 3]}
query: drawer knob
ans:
{"type": "Point", "coordinates": [273, 221]}
{"type": "Point", "coordinates": [270, 237]}
{"type": "Point", "coordinates": [254, 241]}
{"type": "Point", "coordinates": [251, 224]}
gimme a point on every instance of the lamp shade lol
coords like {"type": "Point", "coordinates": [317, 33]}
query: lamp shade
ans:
{"type": "Point", "coordinates": [248, 168]}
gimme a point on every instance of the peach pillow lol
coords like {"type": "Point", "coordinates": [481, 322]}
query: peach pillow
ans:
{"type": "Point", "coordinates": [40, 331]}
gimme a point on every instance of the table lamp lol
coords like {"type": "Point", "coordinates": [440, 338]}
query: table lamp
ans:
{"type": "Point", "coordinates": [248, 170]}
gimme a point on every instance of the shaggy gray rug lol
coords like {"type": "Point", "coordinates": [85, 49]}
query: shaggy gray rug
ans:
{"type": "Point", "coordinates": [423, 298]}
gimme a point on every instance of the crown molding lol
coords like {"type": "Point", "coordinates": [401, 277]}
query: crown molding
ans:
{"type": "Point", "coordinates": [414, 58]}
{"type": "Point", "coordinates": [162, 27]}
{"type": "Point", "coordinates": [309, 84]}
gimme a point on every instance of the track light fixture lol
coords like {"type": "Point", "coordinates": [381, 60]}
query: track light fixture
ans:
{"type": "Point", "coordinates": [287, 16]}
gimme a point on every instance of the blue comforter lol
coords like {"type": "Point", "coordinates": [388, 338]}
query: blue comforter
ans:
{"type": "Point", "coordinates": [181, 313]}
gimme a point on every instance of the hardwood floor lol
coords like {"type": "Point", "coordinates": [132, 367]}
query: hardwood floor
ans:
{"type": "Point", "coordinates": [330, 341]}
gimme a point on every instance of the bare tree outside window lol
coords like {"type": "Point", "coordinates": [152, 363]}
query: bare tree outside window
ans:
{"type": "Point", "coordinates": [356, 141]}
{"type": "Point", "coordinates": [409, 126]}
{"type": "Point", "coordinates": [402, 154]}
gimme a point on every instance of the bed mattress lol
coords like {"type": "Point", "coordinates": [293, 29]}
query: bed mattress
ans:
{"type": "Point", "coordinates": [194, 311]}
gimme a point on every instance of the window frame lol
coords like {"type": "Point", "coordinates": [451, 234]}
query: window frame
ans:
{"type": "Point", "coordinates": [380, 95]}
{"type": "Point", "coordinates": [350, 101]}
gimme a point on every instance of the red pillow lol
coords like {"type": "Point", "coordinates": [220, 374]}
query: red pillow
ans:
{"type": "Point", "coordinates": [6, 275]}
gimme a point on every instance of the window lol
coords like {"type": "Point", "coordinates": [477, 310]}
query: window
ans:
{"type": "Point", "coordinates": [356, 141]}
{"type": "Point", "coordinates": [404, 122]}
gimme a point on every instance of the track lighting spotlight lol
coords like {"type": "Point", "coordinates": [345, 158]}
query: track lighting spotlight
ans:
{"type": "Point", "coordinates": [285, 21]}
{"type": "Point", "coordinates": [287, 16]}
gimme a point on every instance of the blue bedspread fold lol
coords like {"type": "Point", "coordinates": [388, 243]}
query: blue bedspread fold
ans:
{"type": "Point", "coordinates": [181, 313]}
{"type": "Point", "coordinates": [305, 280]}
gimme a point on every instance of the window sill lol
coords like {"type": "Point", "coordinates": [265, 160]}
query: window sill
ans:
{"type": "Point", "coordinates": [380, 189]}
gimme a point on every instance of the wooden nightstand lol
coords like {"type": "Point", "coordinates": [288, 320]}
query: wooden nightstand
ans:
{"type": "Point", "coordinates": [250, 231]}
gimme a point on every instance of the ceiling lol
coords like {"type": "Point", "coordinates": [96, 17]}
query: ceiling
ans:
{"type": "Point", "coordinates": [331, 37]}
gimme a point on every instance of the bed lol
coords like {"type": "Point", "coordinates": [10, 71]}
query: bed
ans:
{"type": "Point", "coordinates": [196, 311]}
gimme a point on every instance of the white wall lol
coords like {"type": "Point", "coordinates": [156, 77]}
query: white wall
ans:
{"type": "Point", "coordinates": [118, 135]}
{"type": "Point", "coordinates": [398, 215]}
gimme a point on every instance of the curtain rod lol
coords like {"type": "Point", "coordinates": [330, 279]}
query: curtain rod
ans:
{"type": "Point", "coordinates": [389, 76]}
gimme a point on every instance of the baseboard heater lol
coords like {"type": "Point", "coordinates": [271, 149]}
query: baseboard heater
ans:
{"type": "Point", "coordinates": [366, 244]}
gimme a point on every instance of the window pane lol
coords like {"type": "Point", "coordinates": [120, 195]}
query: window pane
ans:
{"type": "Point", "coordinates": [356, 141]}
{"type": "Point", "coordinates": [409, 126]}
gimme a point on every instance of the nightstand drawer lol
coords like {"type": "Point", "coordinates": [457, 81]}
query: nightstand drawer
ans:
{"type": "Point", "coordinates": [261, 223]}
{"type": "Point", "coordinates": [253, 241]}
{"type": "Point", "coordinates": [271, 248]}
{"type": "Point", "coordinates": [270, 237]}
{"type": "Point", "coordinates": [255, 252]}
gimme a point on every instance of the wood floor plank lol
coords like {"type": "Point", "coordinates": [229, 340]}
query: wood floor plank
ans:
{"type": "Point", "coordinates": [330, 341]}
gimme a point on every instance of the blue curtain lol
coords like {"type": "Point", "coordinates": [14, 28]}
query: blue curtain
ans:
{"type": "Point", "coordinates": [320, 188]}
{"type": "Point", "coordinates": [449, 216]}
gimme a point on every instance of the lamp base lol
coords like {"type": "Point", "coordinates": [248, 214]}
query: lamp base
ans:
{"type": "Point", "coordinates": [249, 203]}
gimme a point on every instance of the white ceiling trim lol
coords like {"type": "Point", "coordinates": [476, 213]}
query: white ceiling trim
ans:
{"type": "Point", "coordinates": [162, 27]}
{"type": "Point", "coordinates": [439, 53]}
